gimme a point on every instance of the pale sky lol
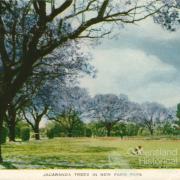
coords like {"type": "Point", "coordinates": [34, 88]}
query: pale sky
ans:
{"type": "Point", "coordinates": [143, 63]}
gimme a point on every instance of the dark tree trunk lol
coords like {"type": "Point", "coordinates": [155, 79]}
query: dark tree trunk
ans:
{"type": "Point", "coordinates": [1, 159]}
{"type": "Point", "coordinates": [37, 136]}
{"type": "Point", "coordinates": [2, 114]}
{"type": "Point", "coordinates": [151, 131]}
{"type": "Point", "coordinates": [69, 133]}
{"type": "Point", "coordinates": [37, 131]}
{"type": "Point", "coordinates": [108, 127]}
{"type": "Point", "coordinates": [150, 126]}
{"type": "Point", "coordinates": [121, 136]}
{"type": "Point", "coordinates": [1, 122]}
{"type": "Point", "coordinates": [12, 123]}
{"type": "Point", "coordinates": [108, 132]}
{"type": "Point", "coordinates": [12, 132]}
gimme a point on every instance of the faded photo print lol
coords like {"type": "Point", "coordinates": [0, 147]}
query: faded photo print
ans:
{"type": "Point", "coordinates": [89, 84]}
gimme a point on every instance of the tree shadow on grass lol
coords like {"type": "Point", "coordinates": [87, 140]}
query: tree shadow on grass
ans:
{"type": "Point", "coordinates": [8, 165]}
{"type": "Point", "coordinates": [98, 149]}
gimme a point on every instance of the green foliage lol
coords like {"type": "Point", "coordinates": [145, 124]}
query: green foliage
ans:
{"type": "Point", "coordinates": [178, 111]}
{"type": "Point", "coordinates": [50, 133]}
{"type": "Point", "coordinates": [3, 136]}
{"type": "Point", "coordinates": [159, 130]}
{"type": "Point", "coordinates": [79, 130]}
{"type": "Point", "coordinates": [119, 130]}
{"type": "Point", "coordinates": [55, 127]}
{"type": "Point", "coordinates": [17, 132]}
{"type": "Point", "coordinates": [125, 129]}
{"type": "Point", "coordinates": [19, 126]}
{"type": "Point", "coordinates": [132, 129]}
{"type": "Point", "coordinates": [177, 122]}
{"type": "Point", "coordinates": [57, 130]}
{"type": "Point", "coordinates": [168, 129]}
{"type": "Point", "coordinates": [143, 132]}
{"type": "Point", "coordinates": [97, 129]}
{"type": "Point", "coordinates": [88, 132]}
{"type": "Point", "coordinates": [176, 130]}
{"type": "Point", "coordinates": [25, 134]}
{"type": "Point", "coordinates": [177, 127]}
{"type": "Point", "coordinates": [69, 126]}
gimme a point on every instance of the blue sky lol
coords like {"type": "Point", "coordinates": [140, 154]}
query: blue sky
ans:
{"type": "Point", "coordinates": [143, 62]}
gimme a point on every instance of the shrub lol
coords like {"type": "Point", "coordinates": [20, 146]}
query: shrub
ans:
{"type": "Point", "coordinates": [50, 133]}
{"type": "Point", "coordinates": [57, 129]}
{"type": "Point", "coordinates": [25, 134]}
{"type": "Point", "coordinates": [143, 132]}
{"type": "Point", "coordinates": [88, 132]}
{"type": "Point", "coordinates": [168, 128]}
{"type": "Point", "coordinates": [19, 126]}
{"type": "Point", "coordinates": [119, 130]}
{"type": "Point", "coordinates": [132, 129]}
{"type": "Point", "coordinates": [3, 136]}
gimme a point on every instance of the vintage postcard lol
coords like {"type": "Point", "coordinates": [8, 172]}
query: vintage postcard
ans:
{"type": "Point", "coordinates": [89, 89]}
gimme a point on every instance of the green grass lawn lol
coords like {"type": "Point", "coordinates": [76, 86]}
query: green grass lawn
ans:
{"type": "Point", "coordinates": [91, 153]}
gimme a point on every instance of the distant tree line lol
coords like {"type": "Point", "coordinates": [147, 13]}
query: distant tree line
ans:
{"type": "Point", "coordinates": [71, 112]}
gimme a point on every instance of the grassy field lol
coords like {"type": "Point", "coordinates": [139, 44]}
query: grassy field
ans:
{"type": "Point", "coordinates": [91, 153]}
